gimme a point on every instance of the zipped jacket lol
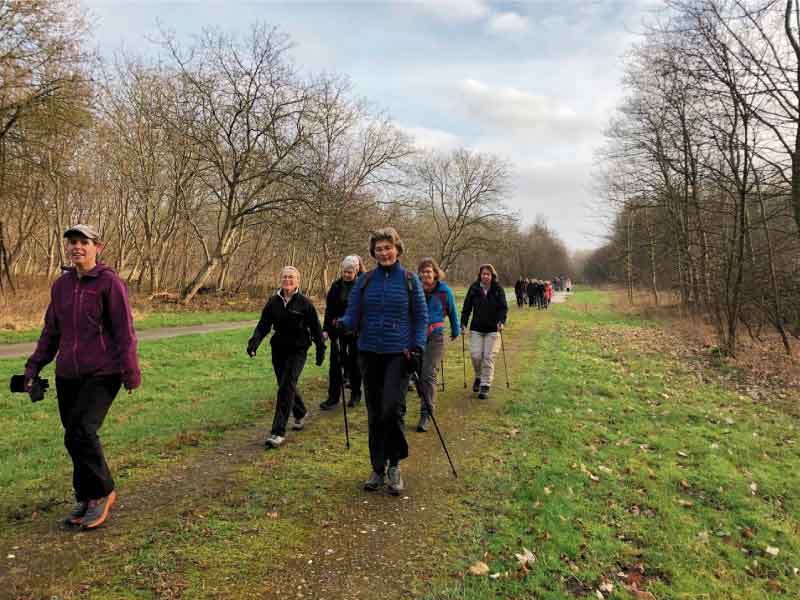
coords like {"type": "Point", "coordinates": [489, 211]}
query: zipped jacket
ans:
{"type": "Point", "coordinates": [88, 328]}
{"type": "Point", "coordinates": [336, 304]}
{"type": "Point", "coordinates": [441, 304]}
{"type": "Point", "coordinates": [295, 322]}
{"type": "Point", "coordinates": [486, 310]}
{"type": "Point", "coordinates": [381, 312]}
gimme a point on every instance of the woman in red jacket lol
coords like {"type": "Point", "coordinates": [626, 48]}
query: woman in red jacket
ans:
{"type": "Point", "coordinates": [89, 325]}
{"type": "Point", "coordinates": [548, 293]}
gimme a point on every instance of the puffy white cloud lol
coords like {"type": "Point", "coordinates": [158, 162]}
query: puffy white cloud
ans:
{"type": "Point", "coordinates": [457, 10]}
{"type": "Point", "coordinates": [507, 22]}
{"type": "Point", "coordinates": [433, 139]}
{"type": "Point", "coordinates": [523, 114]}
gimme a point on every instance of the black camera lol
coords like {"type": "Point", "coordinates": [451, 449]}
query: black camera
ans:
{"type": "Point", "coordinates": [38, 387]}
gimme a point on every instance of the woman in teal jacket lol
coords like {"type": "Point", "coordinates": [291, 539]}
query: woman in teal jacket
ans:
{"type": "Point", "coordinates": [441, 305]}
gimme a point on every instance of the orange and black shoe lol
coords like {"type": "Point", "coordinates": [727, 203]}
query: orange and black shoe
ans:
{"type": "Point", "coordinates": [75, 516]}
{"type": "Point", "coordinates": [97, 511]}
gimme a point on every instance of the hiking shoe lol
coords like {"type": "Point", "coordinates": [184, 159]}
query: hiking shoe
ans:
{"type": "Point", "coordinates": [476, 385]}
{"type": "Point", "coordinates": [274, 441]}
{"type": "Point", "coordinates": [354, 400]}
{"type": "Point", "coordinates": [75, 516]}
{"type": "Point", "coordinates": [328, 404]}
{"type": "Point", "coordinates": [97, 511]}
{"type": "Point", "coordinates": [299, 423]}
{"type": "Point", "coordinates": [374, 483]}
{"type": "Point", "coordinates": [484, 393]}
{"type": "Point", "coordinates": [422, 426]}
{"type": "Point", "coordinates": [396, 484]}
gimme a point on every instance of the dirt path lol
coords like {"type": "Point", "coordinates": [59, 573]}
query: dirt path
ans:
{"type": "Point", "coordinates": [25, 349]}
{"type": "Point", "coordinates": [372, 546]}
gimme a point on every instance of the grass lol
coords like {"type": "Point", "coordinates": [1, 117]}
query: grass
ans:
{"type": "Point", "coordinates": [150, 321]}
{"type": "Point", "coordinates": [626, 471]}
{"type": "Point", "coordinates": [607, 459]}
{"type": "Point", "coordinates": [190, 392]}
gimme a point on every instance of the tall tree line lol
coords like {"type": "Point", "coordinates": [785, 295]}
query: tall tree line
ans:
{"type": "Point", "coordinates": [216, 161]}
{"type": "Point", "coordinates": [702, 166]}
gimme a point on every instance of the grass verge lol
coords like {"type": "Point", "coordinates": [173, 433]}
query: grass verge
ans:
{"type": "Point", "coordinates": [626, 477]}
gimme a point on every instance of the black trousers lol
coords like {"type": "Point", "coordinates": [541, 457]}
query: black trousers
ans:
{"type": "Point", "coordinates": [385, 386]}
{"type": "Point", "coordinates": [531, 300]}
{"type": "Point", "coordinates": [350, 362]}
{"type": "Point", "coordinates": [83, 405]}
{"type": "Point", "coordinates": [520, 300]}
{"type": "Point", "coordinates": [287, 364]}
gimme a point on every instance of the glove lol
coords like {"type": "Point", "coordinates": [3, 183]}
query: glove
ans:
{"type": "Point", "coordinates": [131, 380]}
{"type": "Point", "coordinates": [252, 346]}
{"type": "Point", "coordinates": [338, 327]}
{"type": "Point", "coordinates": [320, 355]}
{"type": "Point", "coordinates": [414, 360]}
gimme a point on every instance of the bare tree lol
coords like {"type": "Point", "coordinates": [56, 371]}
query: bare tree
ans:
{"type": "Point", "coordinates": [462, 192]}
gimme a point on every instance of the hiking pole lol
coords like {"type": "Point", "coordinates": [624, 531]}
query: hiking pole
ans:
{"type": "Point", "coordinates": [464, 359]}
{"type": "Point", "coordinates": [443, 373]}
{"type": "Point", "coordinates": [505, 364]}
{"type": "Point", "coordinates": [342, 368]}
{"type": "Point", "coordinates": [438, 431]}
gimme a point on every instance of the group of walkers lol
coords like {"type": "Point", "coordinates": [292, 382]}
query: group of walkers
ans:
{"type": "Point", "coordinates": [386, 327]}
{"type": "Point", "coordinates": [537, 293]}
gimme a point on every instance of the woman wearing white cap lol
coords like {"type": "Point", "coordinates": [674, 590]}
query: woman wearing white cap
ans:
{"type": "Point", "coordinates": [344, 349]}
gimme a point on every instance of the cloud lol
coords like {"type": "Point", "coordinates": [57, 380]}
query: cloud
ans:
{"type": "Point", "coordinates": [457, 10]}
{"type": "Point", "coordinates": [522, 113]}
{"type": "Point", "coordinates": [507, 22]}
{"type": "Point", "coordinates": [433, 139]}
{"type": "Point", "coordinates": [561, 193]}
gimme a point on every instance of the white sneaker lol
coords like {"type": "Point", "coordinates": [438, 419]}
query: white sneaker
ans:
{"type": "Point", "coordinates": [274, 441]}
{"type": "Point", "coordinates": [299, 423]}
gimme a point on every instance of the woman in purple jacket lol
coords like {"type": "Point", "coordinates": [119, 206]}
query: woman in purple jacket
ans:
{"type": "Point", "coordinates": [89, 329]}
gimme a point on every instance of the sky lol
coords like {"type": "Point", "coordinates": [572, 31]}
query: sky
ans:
{"type": "Point", "coordinates": [532, 82]}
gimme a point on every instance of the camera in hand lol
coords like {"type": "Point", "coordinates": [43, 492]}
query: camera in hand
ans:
{"type": "Point", "coordinates": [38, 387]}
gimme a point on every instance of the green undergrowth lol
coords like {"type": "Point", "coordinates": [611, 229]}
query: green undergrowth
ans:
{"type": "Point", "coordinates": [153, 320]}
{"type": "Point", "coordinates": [623, 474]}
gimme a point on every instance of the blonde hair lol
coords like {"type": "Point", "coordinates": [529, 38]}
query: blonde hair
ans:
{"type": "Point", "coordinates": [290, 269]}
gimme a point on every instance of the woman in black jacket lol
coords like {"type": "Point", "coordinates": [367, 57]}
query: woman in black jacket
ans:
{"type": "Point", "coordinates": [296, 325]}
{"type": "Point", "coordinates": [344, 351]}
{"type": "Point", "coordinates": [485, 310]}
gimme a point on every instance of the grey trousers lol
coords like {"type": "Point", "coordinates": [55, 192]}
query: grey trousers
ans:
{"type": "Point", "coordinates": [483, 348]}
{"type": "Point", "coordinates": [434, 349]}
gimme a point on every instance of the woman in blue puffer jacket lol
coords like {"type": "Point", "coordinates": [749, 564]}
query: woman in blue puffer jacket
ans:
{"type": "Point", "coordinates": [387, 308]}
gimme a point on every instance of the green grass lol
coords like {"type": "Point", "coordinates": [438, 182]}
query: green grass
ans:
{"type": "Point", "coordinates": [151, 321]}
{"type": "Point", "coordinates": [673, 460]}
{"type": "Point", "coordinates": [190, 391]}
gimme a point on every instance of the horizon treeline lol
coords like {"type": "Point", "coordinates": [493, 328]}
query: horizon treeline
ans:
{"type": "Point", "coordinates": [701, 167]}
{"type": "Point", "coordinates": [214, 161]}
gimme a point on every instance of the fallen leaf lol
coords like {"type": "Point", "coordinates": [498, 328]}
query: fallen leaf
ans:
{"type": "Point", "coordinates": [479, 568]}
{"type": "Point", "coordinates": [753, 488]}
{"type": "Point", "coordinates": [526, 559]}
{"type": "Point", "coordinates": [772, 550]}
{"type": "Point", "coordinates": [547, 490]}
{"type": "Point", "coordinates": [683, 454]}
{"type": "Point", "coordinates": [684, 484]}
{"type": "Point", "coordinates": [606, 586]}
